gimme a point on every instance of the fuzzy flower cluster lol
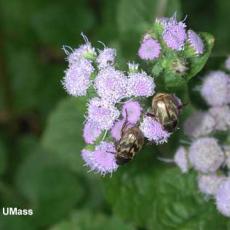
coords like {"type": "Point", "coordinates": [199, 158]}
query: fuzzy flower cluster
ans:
{"type": "Point", "coordinates": [154, 131]}
{"type": "Point", "coordinates": [216, 88]}
{"type": "Point", "coordinates": [209, 159]}
{"type": "Point", "coordinates": [102, 159]}
{"type": "Point", "coordinates": [174, 36]}
{"type": "Point", "coordinates": [115, 102]}
{"type": "Point", "coordinates": [206, 154]}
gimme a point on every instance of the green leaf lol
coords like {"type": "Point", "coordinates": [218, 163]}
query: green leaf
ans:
{"type": "Point", "coordinates": [160, 197]}
{"type": "Point", "coordinates": [50, 188]}
{"type": "Point", "coordinates": [85, 220]}
{"type": "Point", "coordinates": [49, 22]}
{"type": "Point", "coordinates": [3, 152]}
{"type": "Point", "coordinates": [53, 25]}
{"type": "Point", "coordinates": [28, 76]}
{"type": "Point", "coordinates": [63, 134]}
{"type": "Point", "coordinates": [141, 14]}
{"type": "Point", "coordinates": [17, 222]}
{"type": "Point", "coordinates": [24, 76]}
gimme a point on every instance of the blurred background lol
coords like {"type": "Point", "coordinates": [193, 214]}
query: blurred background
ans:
{"type": "Point", "coordinates": [40, 126]}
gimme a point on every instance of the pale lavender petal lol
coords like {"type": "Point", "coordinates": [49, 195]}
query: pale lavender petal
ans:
{"type": "Point", "coordinates": [206, 155]}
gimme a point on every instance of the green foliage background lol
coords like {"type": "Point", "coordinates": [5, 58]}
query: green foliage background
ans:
{"type": "Point", "coordinates": [40, 126]}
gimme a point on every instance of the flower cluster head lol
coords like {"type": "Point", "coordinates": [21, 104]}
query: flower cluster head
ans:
{"type": "Point", "coordinates": [77, 78]}
{"type": "Point", "coordinates": [223, 198]}
{"type": "Point", "coordinates": [174, 34]}
{"type": "Point", "coordinates": [82, 52]}
{"type": "Point", "coordinates": [106, 57]}
{"type": "Point", "coordinates": [199, 124]}
{"type": "Point", "coordinates": [111, 84]}
{"type": "Point", "coordinates": [154, 131]}
{"type": "Point", "coordinates": [102, 113]}
{"type": "Point", "coordinates": [150, 48]}
{"type": "Point", "coordinates": [208, 156]}
{"type": "Point", "coordinates": [209, 183]}
{"type": "Point", "coordinates": [205, 155]}
{"type": "Point", "coordinates": [195, 42]}
{"type": "Point", "coordinates": [91, 132]}
{"type": "Point", "coordinates": [131, 110]}
{"type": "Point", "coordinates": [140, 85]}
{"type": "Point", "coordinates": [181, 159]}
{"type": "Point", "coordinates": [171, 48]}
{"type": "Point", "coordinates": [102, 159]}
{"type": "Point", "coordinates": [116, 129]}
{"type": "Point", "coordinates": [221, 115]}
{"type": "Point", "coordinates": [116, 100]}
{"type": "Point", "coordinates": [216, 88]}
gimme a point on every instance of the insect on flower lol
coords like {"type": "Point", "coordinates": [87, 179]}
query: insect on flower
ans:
{"type": "Point", "coordinates": [166, 109]}
{"type": "Point", "coordinates": [131, 142]}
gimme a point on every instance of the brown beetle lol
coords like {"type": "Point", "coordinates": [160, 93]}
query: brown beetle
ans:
{"type": "Point", "coordinates": [166, 109]}
{"type": "Point", "coordinates": [131, 142]}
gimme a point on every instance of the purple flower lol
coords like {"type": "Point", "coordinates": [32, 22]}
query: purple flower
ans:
{"type": "Point", "coordinates": [199, 124]}
{"type": "Point", "coordinates": [216, 88]}
{"type": "Point", "coordinates": [106, 57]}
{"type": "Point", "coordinates": [91, 132]}
{"type": "Point", "coordinates": [102, 113]}
{"type": "Point", "coordinates": [205, 155]}
{"type": "Point", "coordinates": [174, 34]}
{"type": "Point", "coordinates": [153, 131]}
{"type": "Point", "coordinates": [111, 84]}
{"type": "Point", "coordinates": [77, 78]}
{"type": "Point", "coordinates": [116, 129]}
{"type": "Point", "coordinates": [140, 85]}
{"type": "Point", "coordinates": [150, 48]}
{"type": "Point", "coordinates": [223, 198]}
{"type": "Point", "coordinates": [87, 157]}
{"type": "Point", "coordinates": [132, 110]}
{"type": "Point", "coordinates": [209, 184]}
{"type": "Point", "coordinates": [181, 159]}
{"type": "Point", "coordinates": [221, 116]}
{"type": "Point", "coordinates": [103, 158]}
{"type": "Point", "coordinates": [82, 52]}
{"type": "Point", "coordinates": [196, 42]}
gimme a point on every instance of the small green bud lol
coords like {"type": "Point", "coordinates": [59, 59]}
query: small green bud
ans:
{"type": "Point", "coordinates": [133, 67]}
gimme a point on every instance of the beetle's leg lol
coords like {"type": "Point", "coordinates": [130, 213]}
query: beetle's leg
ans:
{"type": "Point", "coordinates": [150, 114]}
